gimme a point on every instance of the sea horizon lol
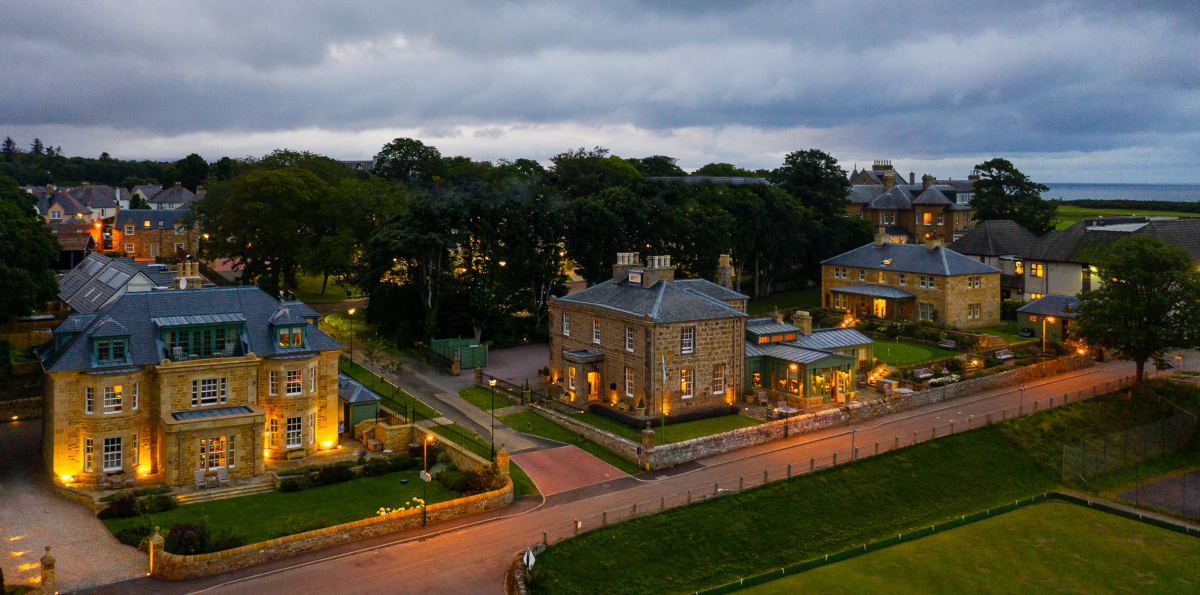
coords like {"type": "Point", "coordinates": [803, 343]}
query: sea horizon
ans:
{"type": "Point", "coordinates": [1069, 191]}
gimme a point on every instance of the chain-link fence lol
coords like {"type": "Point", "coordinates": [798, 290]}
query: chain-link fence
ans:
{"type": "Point", "coordinates": [1084, 461]}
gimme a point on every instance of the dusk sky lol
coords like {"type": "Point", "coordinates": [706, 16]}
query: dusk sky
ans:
{"type": "Point", "coordinates": [1069, 91]}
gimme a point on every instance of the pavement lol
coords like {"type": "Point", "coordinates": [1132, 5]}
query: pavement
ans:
{"type": "Point", "coordinates": [32, 517]}
{"type": "Point", "coordinates": [473, 558]}
{"type": "Point", "coordinates": [1180, 494]}
{"type": "Point", "coordinates": [564, 469]}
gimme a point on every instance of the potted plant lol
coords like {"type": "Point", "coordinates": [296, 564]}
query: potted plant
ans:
{"type": "Point", "coordinates": [546, 374]}
{"type": "Point", "coordinates": [640, 410]}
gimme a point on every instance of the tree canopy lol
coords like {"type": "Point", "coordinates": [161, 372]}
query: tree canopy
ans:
{"type": "Point", "coordinates": [1003, 192]}
{"type": "Point", "coordinates": [1148, 303]}
{"type": "Point", "coordinates": [409, 161]}
{"type": "Point", "coordinates": [27, 251]}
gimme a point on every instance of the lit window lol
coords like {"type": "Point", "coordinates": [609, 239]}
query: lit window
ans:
{"type": "Point", "coordinates": [764, 339]}
{"type": "Point", "coordinates": [718, 379]}
{"type": "Point", "coordinates": [685, 383]}
{"type": "Point", "coordinates": [1036, 296]}
{"type": "Point", "coordinates": [1020, 267]}
{"type": "Point", "coordinates": [571, 378]}
{"type": "Point", "coordinates": [687, 340]}
{"type": "Point", "coordinates": [928, 218]}
{"type": "Point", "coordinates": [146, 223]}
{"type": "Point", "coordinates": [293, 432]}
{"type": "Point", "coordinates": [295, 384]}
{"type": "Point", "coordinates": [212, 452]}
{"type": "Point", "coordinates": [1032, 318]}
{"type": "Point", "coordinates": [112, 399]}
{"type": "Point", "coordinates": [635, 277]}
{"type": "Point", "coordinates": [756, 379]}
{"type": "Point", "coordinates": [881, 277]}
{"type": "Point", "coordinates": [1035, 269]}
{"type": "Point", "coordinates": [629, 382]}
{"type": "Point", "coordinates": [112, 454]}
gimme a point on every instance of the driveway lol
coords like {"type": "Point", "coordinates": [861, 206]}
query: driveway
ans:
{"type": "Point", "coordinates": [564, 469]}
{"type": "Point", "coordinates": [33, 517]}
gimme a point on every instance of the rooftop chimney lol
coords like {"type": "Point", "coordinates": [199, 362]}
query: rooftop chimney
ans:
{"type": "Point", "coordinates": [974, 176]}
{"type": "Point", "coordinates": [889, 180]}
{"type": "Point", "coordinates": [885, 165]}
{"type": "Point", "coordinates": [626, 262]}
{"type": "Point", "coordinates": [725, 272]}
{"type": "Point", "coordinates": [658, 267]}
{"type": "Point", "coordinates": [927, 181]}
{"type": "Point", "coordinates": [881, 237]}
{"type": "Point", "coordinates": [803, 321]}
{"type": "Point", "coordinates": [912, 178]}
{"type": "Point", "coordinates": [933, 242]}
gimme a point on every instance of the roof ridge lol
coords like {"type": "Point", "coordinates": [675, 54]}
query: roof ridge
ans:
{"type": "Point", "coordinates": [662, 285]}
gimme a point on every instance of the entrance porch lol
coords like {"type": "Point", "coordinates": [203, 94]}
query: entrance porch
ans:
{"type": "Point", "coordinates": [869, 299]}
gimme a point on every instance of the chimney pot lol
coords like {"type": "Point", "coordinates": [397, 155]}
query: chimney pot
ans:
{"type": "Point", "coordinates": [912, 178]}
{"type": "Point", "coordinates": [880, 236]}
{"type": "Point", "coordinates": [927, 181]}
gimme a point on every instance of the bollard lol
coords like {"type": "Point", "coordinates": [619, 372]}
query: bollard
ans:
{"type": "Point", "coordinates": [951, 427]}
{"type": "Point", "coordinates": [789, 476]}
{"type": "Point", "coordinates": [662, 503]}
{"type": "Point", "coordinates": [715, 488]}
{"type": "Point", "coordinates": [988, 421]}
{"type": "Point", "coordinates": [876, 448]}
{"type": "Point", "coordinates": [689, 497]}
{"type": "Point", "coordinates": [1052, 402]}
{"type": "Point", "coordinates": [897, 444]}
{"type": "Point", "coordinates": [741, 483]}
{"type": "Point", "coordinates": [1005, 415]}
{"type": "Point", "coordinates": [1035, 406]}
{"type": "Point", "coordinates": [576, 527]}
{"type": "Point", "coordinates": [854, 455]}
{"type": "Point", "coordinates": [968, 423]}
{"type": "Point", "coordinates": [545, 539]}
{"type": "Point", "coordinates": [933, 432]}
{"type": "Point", "coordinates": [914, 437]}
{"type": "Point", "coordinates": [604, 518]}
{"type": "Point", "coordinates": [835, 458]}
{"type": "Point", "coordinates": [633, 510]}
{"type": "Point", "coordinates": [1066, 396]}
{"type": "Point", "coordinates": [812, 465]}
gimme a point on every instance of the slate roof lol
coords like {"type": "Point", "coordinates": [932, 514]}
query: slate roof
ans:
{"type": "Point", "coordinates": [864, 193]}
{"type": "Point", "coordinates": [88, 286]}
{"type": "Point", "coordinates": [69, 205]}
{"type": "Point", "coordinates": [211, 413]}
{"type": "Point", "coordinates": [174, 195]}
{"type": "Point", "coordinates": [285, 315]}
{"type": "Point", "coordinates": [136, 312]}
{"type": "Point", "coordinates": [904, 196]}
{"type": "Point", "coordinates": [710, 289]}
{"type": "Point", "coordinates": [911, 258]}
{"type": "Point", "coordinates": [877, 291]}
{"type": "Point", "coordinates": [146, 191]}
{"type": "Point", "coordinates": [1181, 233]}
{"type": "Point", "coordinates": [768, 326]}
{"type": "Point", "coordinates": [932, 196]}
{"type": "Point", "coordinates": [996, 238]}
{"type": "Point", "coordinates": [896, 198]}
{"type": "Point", "coordinates": [139, 217]}
{"type": "Point", "coordinates": [791, 352]}
{"type": "Point", "coordinates": [833, 338]}
{"type": "Point", "coordinates": [353, 391]}
{"type": "Point", "coordinates": [1051, 305]}
{"type": "Point", "coordinates": [661, 302]}
{"type": "Point", "coordinates": [77, 241]}
{"type": "Point", "coordinates": [96, 197]}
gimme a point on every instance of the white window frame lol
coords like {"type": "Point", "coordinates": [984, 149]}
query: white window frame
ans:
{"type": "Point", "coordinates": [56, 215]}
{"type": "Point", "coordinates": [312, 379]}
{"type": "Point", "coordinates": [941, 219]}
{"type": "Point", "coordinates": [294, 438]}
{"type": "Point", "coordinates": [571, 377]}
{"type": "Point", "coordinates": [902, 278]}
{"type": "Point", "coordinates": [231, 451]}
{"type": "Point", "coordinates": [862, 274]}
{"type": "Point", "coordinates": [1036, 270]}
{"type": "Point", "coordinates": [134, 396]}
{"type": "Point", "coordinates": [566, 324]}
{"type": "Point", "coordinates": [112, 453]}
{"type": "Point", "coordinates": [687, 383]}
{"type": "Point", "coordinates": [273, 383]}
{"type": "Point", "coordinates": [312, 429]}
{"type": "Point", "coordinates": [687, 340]}
{"type": "Point", "coordinates": [89, 400]}
{"type": "Point", "coordinates": [134, 455]}
{"type": "Point", "coordinates": [129, 229]}
{"type": "Point", "coordinates": [718, 380]}
{"type": "Point", "coordinates": [629, 339]}
{"type": "Point", "coordinates": [113, 399]}
{"type": "Point", "coordinates": [273, 430]}
{"type": "Point", "coordinates": [596, 331]}
{"type": "Point", "coordinates": [932, 284]}
{"type": "Point", "coordinates": [89, 454]}
{"type": "Point", "coordinates": [129, 248]}
{"type": "Point", "coordinates": [628, 381]}
{"type": "Point", "coordinates": [294, 380]}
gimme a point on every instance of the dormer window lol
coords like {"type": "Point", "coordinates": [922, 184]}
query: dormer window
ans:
{"type": "Point", "coordinates": [146, 223]}
{"type": "Point", "coordinates": [110, 350]}
{"type": "Point", "coordinates": [291, 336]}
{"type": "Point", "coordinates": [635, 277]}
{"type": "Point", "coordinates": [55, 215]}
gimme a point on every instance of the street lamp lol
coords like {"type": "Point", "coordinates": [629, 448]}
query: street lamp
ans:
{"type": "Point", "coordinates": [853, 433]}
{"type": "Point", "coordinates": [1045, 319]}
{"type": "Point", "coordinates": [1021, 410]}
{"type": "Point", "coordinates": [492, 383]}
{"type": "Point", "coordinates": [351, 338]}
{"type": "Point", "coordinates": [425, 478]}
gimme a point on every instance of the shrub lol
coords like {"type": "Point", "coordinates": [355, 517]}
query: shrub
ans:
{"type": "Point", "coordinates": [187, 539]}
{"type": "Point", "coordinates": [226, 540]}
{"type": "Point", "coordinates": [444, 458]}
{"type": "Point", "coordinates": [333, 474]}
{"type": "Point", "coordinates": [468, 483]}
{"type": "Point", "coordinates": [991, 362]}
{"type": "Point", "coordinates": [159, 503]}
{"type": "Point", "coordinates": [135, 535]}
{"type": "Point", "coordinates": [377, 467]}
{"type": "Point", "coordinates": [124, 505]}
{"type": "Point", "coordinates": [289, 485]}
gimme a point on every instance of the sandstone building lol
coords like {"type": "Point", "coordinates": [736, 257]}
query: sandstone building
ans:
{"type": "Point", "coordinates": [147, 233]}
{"type": "Point", "coordinates": [645, 338]}
{"type": "Point", "coordinates": [165, 383]}
{"type": "Point", "coordinates": [911, 212]}
{"type": "Point", "coordinates": [805, 367]}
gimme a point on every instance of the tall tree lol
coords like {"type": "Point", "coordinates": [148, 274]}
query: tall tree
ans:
{"type": "Point", "coordinates": [1147, 305]}
{"type": "Point", "coordinates": [726, 170]}
{"type": "Point", "coordinates": [37, 148]}
{"type": "Point", "coordinates": [815, 178]}
{"type": "Point", "coordinates": [583, 172]}
{"type": "Point", "coordinates": [191, 171]}
{"type": "Point", "coordinates": [657, 165]}
{"type": "Point", "coordinates": [409, 161]}
{"type": "Point", "coordinates": [269, 220]}
{"type": "Point", "coordinates": [1003, 192]}
{"type": "Point", "coordinates": [9, 148]}
{"type": "Point", "coordinates": [223, 170]}
{"type": "Point", "coordinates": [27, 251]}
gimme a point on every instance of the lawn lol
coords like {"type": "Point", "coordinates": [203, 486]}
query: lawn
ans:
{"type": "Point", "coordinates": [392, 397]}
{"type": "Point", "coordinates": [1006, 330]}
{"type": "Point", "coordinates": [903, 354]}
{"type": "Point", "coordinates": [674, 432]}
{"type": "Point", "coordinates": [308, 290]}
{"type": "Point", "coordinates": [522, 484]}
{"type": "Point", "coordinates": [482, 398]}
{"type": "Point", "coordinates": [1053, 547]}
{"type": "Point", "coordinates": [808, 299]}
{"type": "Point", "coordinates": [545, 428]}
{"type": "Point", "coordinates": [1069, 215]}
{"type": "Point", "coordinates": [260, 517]}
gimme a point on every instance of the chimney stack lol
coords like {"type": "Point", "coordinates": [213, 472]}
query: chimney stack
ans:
{"type": "Point", "coordinates": [933, 242]}
{"type": "Point", "coordinates": [658, 267]}
{"type": "Point", "coordinates": [927, 181]}
{"type": "Point", "coordinates": [974, 176]}
{"type": "Point", "coordinates": [803, 321]}
{"type": "Point", "coordinates": [725, 272]}
{"type": "Point", "coordinates": [626, 262]}
{"type": "Point", "coordinates": [881, 237]}
{"type": "Point", "coordinates": [889, 180]}
{"type": "Point", "coordinates": [912, 178]}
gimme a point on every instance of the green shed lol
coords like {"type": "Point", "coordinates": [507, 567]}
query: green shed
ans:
{"type": "Point", "coordinates": [357, 402]}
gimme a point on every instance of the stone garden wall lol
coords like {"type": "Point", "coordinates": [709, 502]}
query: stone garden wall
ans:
{"type": "Point", "coordinates": [30, 408]}
{"type": "Point", "coordinates": [613, 442]}
{"type": "Point", "coordinates": [175, 567]}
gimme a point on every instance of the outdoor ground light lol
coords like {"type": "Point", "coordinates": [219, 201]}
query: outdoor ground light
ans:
{"type": "Point", "coordinates": [327, 444]}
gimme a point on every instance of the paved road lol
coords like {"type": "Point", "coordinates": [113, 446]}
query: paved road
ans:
{"type": "Point", "coordinates": [474, 558]}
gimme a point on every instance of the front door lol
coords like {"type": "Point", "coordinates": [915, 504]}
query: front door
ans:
{"type": "Point", "coordinates": [153, 250]}
{"type": "Point", "coordinates": [593, 386]}
{"type": "Point", "coordinates": [881, 308]}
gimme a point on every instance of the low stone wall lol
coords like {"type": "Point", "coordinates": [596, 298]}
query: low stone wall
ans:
{"type": "Point", "coordinates": [30, 408]}
{"type": "Point", "coordinates": [698, 448]}
{"type": "Point", "coordinates": [613, 442]}
{"type": "Point", "coordinates": [175, 567]}
{"type": "Point", "coordinates": [461, 457]}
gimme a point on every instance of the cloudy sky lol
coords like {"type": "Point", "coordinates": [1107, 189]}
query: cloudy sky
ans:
{"type": "Point", "coordinates": [1088, 91]}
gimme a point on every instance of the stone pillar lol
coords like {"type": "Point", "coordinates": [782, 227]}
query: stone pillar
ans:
{"type": "Point", "coordinates": [456, 367]}
{"type": "Point", "coordinates": [502, 460]}
{"type": "Point", "coordinates": [647, 446]}
{"type": "Point", "coordinates": [479, 377]}
{"type": "Point", "coordinates": [48, 581]}
{"type": "Point", "coordinates": [156, 549]}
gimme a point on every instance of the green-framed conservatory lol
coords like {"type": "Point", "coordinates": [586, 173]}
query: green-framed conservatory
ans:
{"type": "Point", "coordinates": [803, 377]}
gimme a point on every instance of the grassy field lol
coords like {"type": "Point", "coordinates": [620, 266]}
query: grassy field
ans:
{"type": "Point", "coordinates": [392, 397]}
{"type": "Point", "coordinates": [1069, 215]}
{"type": "Point", "coordinates": [260, 517]}
{"type": "Point", "coordinates": [308, 290]}
{"type": "Point", "coordinates": [482, 398]}
{"type": "Point", "coordinates": [674, 432]}
{"type": "Point", "coordinates": [798, 298]}
{"type": "Point", "coordinates": [547, 429]}
{"type": "Point", "coordinates": [896, 353]}
{"type": "Point", "coordinates": [1053, 547]}
{"type": "Point", "coordinates": [951, 476]}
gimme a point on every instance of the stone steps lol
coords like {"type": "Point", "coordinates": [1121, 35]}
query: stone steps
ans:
{"type": "Point", "coordinates": [995, 342]}
{"type": "Point", "coordinates": [217, 494]}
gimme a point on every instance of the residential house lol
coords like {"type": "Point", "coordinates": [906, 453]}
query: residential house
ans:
{"type": "Point", "coordinates": [912, 282]}
{"type": "Point", "coordinates": [802, 366]}
{"type": "Point", "coordinates": [1054, 313]}
{"type": "Point", "coordinates": [646, 338]}
{"type": "Point", "coordinates": [98, 281]}
{"type": "Point", "coordinates": [174, 197]}
{"type": "Point", "coordinates": [356, 402]}
{"type": "Point", "coordinates": [60, 207]}
{"type": "Point", "coordinates": [367, 165]}
{"type": "Point", "coordinates": [171, 383]}
{"type": "Point", "coordinates": [73, 249]}
{"type": "Point", "coordinates": [1064, 261]}
{"type": "Point", "coordinates": [999, 244]}
{"type": "Point", "coordinates": [102, 200]}
{"type": "Point", "coordinates": [154, 233]}
{"type": "Point", "coordinates": [912, 213]}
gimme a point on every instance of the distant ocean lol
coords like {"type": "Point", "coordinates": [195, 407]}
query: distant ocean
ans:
{"type": "Point", "coordinates": [1172, 192]}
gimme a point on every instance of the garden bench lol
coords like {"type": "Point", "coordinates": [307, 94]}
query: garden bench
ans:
{"type": "Point", "coordinates": [947, 344]}
{"type": "Point", "coordinates": [923, 374]}
{"type": "Point", "coordinates": [1005, 356]}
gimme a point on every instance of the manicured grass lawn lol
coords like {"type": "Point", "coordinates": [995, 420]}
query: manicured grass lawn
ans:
{"type": "Point", "coordinates": [548, 429]}
{"type": "Point", "coordinates": [674, 432]}
{"type": "Point", "coordinates": [392, 397]}
{"type": "Point", "coordinates": [308, 289]}
{"type": "Point", "coordinates": [482, 398]}
{"type": "Point", "coordinates": [798, 298]}
{"type": "Point", "coordinates": [1069, 215]}
{"type": "Point", "coordinates": [903, 354]}
{"type": "Point", "coordinates": [1053, 547]}
{"type": "Point", "coordinates": [260, 517]}
{"type": "Point", "coordinates": [1007, 330]}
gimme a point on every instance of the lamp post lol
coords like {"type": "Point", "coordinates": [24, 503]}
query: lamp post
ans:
{"type": "Point", "coordinates": [1021, 409]}
{"type": "Point", "coordinates": [351, 338]}
{"type": "Point", "coordinates": [1045, 319]}
{"type": "Point", "coordinates": [853, 433]}
{"type": "Point", "coordinates": [492, 383]}
{"type": "Point", "coordinates": [425, 480]}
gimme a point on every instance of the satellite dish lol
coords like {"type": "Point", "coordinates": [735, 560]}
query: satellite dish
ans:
{"type": "Point", "coordinates": [182, 283]}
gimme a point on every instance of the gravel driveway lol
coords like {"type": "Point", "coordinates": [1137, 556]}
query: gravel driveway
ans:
{"type": "Point", "coordinates": [33, 517]}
